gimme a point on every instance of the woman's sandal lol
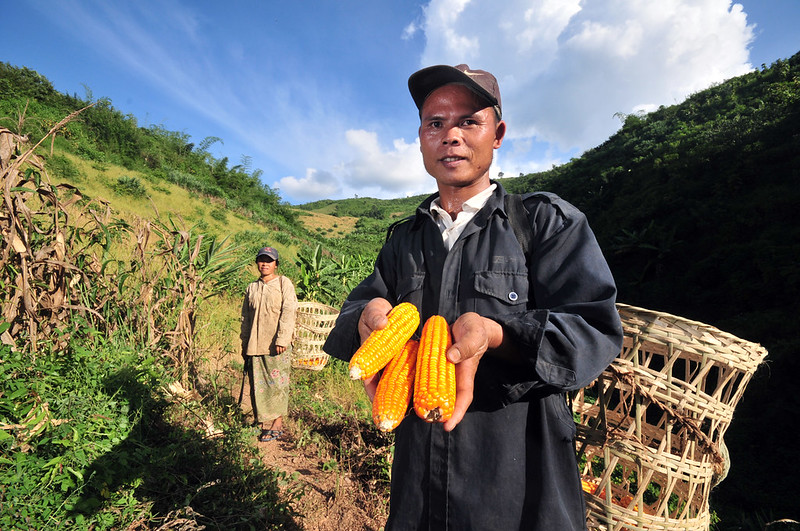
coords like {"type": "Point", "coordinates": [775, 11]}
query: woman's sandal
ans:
{"type": "Point", "coordinates": [270, 435]}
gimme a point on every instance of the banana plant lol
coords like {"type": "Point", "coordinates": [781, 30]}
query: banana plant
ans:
{"type": "Point", "coordinates": [318, 276]}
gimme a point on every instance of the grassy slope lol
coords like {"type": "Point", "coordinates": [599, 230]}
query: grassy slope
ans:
{"type": "Point", "coordinates": [325, 224]}
{"type": "Point", "coordinates": [165, 199]}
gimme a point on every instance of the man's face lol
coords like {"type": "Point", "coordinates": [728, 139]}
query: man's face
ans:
{"type": "Point", "coordinates": [458, 134]}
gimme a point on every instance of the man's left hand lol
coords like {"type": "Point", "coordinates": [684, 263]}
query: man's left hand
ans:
{"type": "Point", "coordinates": [473, 335]}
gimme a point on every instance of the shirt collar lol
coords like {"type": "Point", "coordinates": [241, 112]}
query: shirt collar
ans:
{"type": "Point", "coordinates": [470, 206]}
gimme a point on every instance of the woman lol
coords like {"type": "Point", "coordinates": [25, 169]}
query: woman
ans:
{"type": "Point", "coordinates": [268, 316]}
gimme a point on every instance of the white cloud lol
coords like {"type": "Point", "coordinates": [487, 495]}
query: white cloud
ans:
{"type": "Point", "coordinates": [565, 67]}
{"type": "Point", "coordinates": [371, 171]}
{"type": "Point", "coordinates": [398, 170]}
{"type": "Point", "coordinates": [409, 31]}
{"type": "Point", "coordinates": [315, 185]}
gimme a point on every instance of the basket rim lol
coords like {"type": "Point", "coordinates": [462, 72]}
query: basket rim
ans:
{"type": "Point", "coordinates": [700, 326]}
{"type": "Point", "coordinates": [303, 305]}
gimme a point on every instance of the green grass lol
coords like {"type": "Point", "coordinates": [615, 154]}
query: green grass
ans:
{"type": "Point", "coordinates": [100, 447]}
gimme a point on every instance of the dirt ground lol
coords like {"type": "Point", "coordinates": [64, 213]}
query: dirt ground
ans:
{"type": "Point", "coordinates": [332, 499]}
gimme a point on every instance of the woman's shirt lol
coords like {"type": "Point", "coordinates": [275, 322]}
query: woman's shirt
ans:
{"type": "Point", "coordinates": [269, 311]}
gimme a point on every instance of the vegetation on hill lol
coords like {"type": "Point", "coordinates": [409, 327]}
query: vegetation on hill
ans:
{"type": "Point", "coordinates": [104, 135]}
{"type": "Point", "coordinates": [373, 215]}
{"type": "Point", "coordinates": [692, 204]}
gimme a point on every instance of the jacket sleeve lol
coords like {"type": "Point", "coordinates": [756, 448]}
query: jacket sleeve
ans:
{"type": "Point", "coordinates": [246, 319]}
{"type": "Point", "coordinates": [288, 314]}
{"type": "Point", "coordinates": [574, 331]}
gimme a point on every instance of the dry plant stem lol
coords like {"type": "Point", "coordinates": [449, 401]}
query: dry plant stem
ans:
{"type": "Point", "coordinates": [16, 231]}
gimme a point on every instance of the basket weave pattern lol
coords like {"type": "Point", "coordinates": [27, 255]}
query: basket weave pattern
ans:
{"type": "Point", "coordinates": [314, 323]}
{"type": "Point", "coordinates": [650, 430]}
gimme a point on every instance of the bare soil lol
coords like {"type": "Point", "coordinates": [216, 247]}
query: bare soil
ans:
{"type": "Point", "coordinates": [332, 499]}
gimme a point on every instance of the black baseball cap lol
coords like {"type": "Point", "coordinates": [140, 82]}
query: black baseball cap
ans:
{"type": "Point", "coordinates": [481, 82]}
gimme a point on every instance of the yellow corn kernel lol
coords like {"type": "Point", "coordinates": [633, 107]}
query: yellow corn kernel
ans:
{"type": "Point", "coordinates": [435, 378]}
{"type": "Point", "coordinates": [393, 395]}
{"type": "Point", "coordinates": [382, 345]}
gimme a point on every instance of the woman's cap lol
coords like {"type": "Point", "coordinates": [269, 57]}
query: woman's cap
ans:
{"type": "Point", "coordinates": [267, 251]}
{"type": "Point", "coordinates": [425, 81]}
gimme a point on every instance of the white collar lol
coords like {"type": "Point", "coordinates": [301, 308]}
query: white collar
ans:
{"type": "Point", "coordinates": [470, 206]}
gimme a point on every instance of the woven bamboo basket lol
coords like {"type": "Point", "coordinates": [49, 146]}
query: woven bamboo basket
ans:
{"type": "Point", "coordinates": [314, 323]}
{"type": "Point", "coordinates": [650, 435]}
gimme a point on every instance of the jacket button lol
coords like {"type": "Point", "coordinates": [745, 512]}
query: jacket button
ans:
{"type": "Point", "coordinates": [512, 296]}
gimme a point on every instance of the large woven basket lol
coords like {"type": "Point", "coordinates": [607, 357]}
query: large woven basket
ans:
{"type": "Point", "coordinates": [650, 431]}
{"type": "Point", "coordinates": [314, 323]}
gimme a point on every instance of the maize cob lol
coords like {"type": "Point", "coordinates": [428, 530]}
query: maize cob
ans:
{"type": "Point", "coordinates": [435, 379]}
{"type": "Point", "coordinates": [394, 388]}
{"type": "Point", "coordinates": [382, 345]}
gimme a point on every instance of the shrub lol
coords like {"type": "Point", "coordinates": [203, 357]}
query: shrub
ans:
{"type": "Point", "coordinates": [131, 186]}
{"type": "Point", "coordinates": [220, 215]}
{"type": "Point", "coordinates": [62, 167]}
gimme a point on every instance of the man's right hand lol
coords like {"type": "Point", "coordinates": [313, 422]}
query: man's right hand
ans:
{"type": "Point", "coordinates": [373, 317]}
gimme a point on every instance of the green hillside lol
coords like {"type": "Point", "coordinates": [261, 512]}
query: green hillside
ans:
{"type": "Point", "coordinates": [693, 205]}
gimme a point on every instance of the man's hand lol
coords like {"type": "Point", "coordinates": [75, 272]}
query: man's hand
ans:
{"type": "Point", "coordinates": [373, 317]}
{"type": "Point", "coordinates": [473, 335]}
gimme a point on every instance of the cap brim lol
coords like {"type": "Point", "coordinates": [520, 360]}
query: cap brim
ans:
{"type": "Point", "coordinates": [425, 81]}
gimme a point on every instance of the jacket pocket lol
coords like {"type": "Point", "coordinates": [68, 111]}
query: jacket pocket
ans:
{"type": "Point", "coordinates": [410, 289]}
{"type": "Point", "coordinates": [563, 422]}
{"type": "Point", "coordinates": [508, 287]}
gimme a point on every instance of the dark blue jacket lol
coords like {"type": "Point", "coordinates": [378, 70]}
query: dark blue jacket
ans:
{"type": "Point", "coordinates": [510, 464]}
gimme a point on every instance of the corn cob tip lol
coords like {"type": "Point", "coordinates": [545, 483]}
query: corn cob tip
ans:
{"type": "Point", "coordinates": [386, 424]}
{"type": "Point", "coordinates": [383, 344]}
{"type": "Point", "coordinates": [434, 415]}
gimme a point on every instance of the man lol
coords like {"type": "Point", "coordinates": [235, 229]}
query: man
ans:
{"type": "Point", "coordinates": [526, 329]}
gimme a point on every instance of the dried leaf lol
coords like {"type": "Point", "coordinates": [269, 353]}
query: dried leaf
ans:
{"type": "Point", "coordinates": [17, 243]}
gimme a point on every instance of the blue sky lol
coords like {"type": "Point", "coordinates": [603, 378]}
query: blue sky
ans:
{"type": "Point", "coordinates": [314, 93]}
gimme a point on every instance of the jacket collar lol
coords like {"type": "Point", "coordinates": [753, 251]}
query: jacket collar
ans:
{"type": "Point", "coordinates": [495, 202]}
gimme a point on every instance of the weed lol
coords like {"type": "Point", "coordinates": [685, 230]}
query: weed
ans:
{"type": "Point", "coordinates": [331, 465]}
{"type": "Point", "coordinates": [220, 215]}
